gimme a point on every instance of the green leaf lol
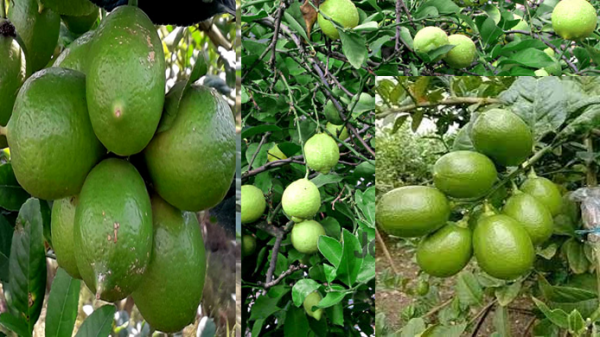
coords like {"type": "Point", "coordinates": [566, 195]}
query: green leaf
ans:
{"type": "Point", "coordinates": [354, 47]}
{"type": "Point", "coordinates": [556, 316]}
{"type": "Point", "coordinates": [324, 179]}
{"type": "Point", "coordinates": [444, 331]}
{"type": "Point", "coordinates": [332, 298]}
{"type": "Point", "coordinates": [302, 289]}
{"type": "Point", "coordinates": [331, 249]}
{"type": "Point", "coordinates": [296, 323]}
{"type": "Point", "coordinates": [266, 305]}
{"type": "Point", "coordinates": [15, 324]}
{"type": "Point", "coordinates": [99, 323]}
{"type": "Point", "coordinates": [365, 201]}
{"type": "Point", "coordinates": [62, 305]}
{"type": "Point", "coordinates": [585, 122]}
{"type": "Point", "coordinates": [463, 139]}
{"type": "Point", "coordinates": [6, 233]}
{"type": "Point", "coordinates": [577, 324]}
{"type": "Point", "coordinates": [27, 263]}
{"type": "Point", "coordinates": [532, 58]}
{"type": "Point", "coordinates": [12, 195]}
{"type": "Point", "coordinates": [502, 322]}
{"type": "Point", "coordinates": [507, 293]}
{"type": "Point", "coordinates": [575, 254]}
{"type": "Point", "coordinates": [414, 327]}
{"type": "Point", "coordinates": [366, 103]}
{"type": "Point", "coordinates": [490, 32]}
{"type": "Point", "coordinates": [200, 68]}
{"type": "Point", "coordinates": [351, 261]}
{"type": "Point", "coordinates": [468, 289]}
{"type": "Point", "coordinates": [332, 227]}
{"type": "Point", "coordinates": [336, 314]}
{"type": "Point", "coordinates": [259, 130]}
{"type": "Point", "coordinates": [295, 25]}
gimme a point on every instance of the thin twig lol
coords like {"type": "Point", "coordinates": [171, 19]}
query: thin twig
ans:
{"type": "Point", "coordinates": [386, 252]}
{"type": "Point", "coordinates": [438, 308]}
{"type": "Point", "coordinates": [262, 142]}
{"type": "Point", "coordinates": [274, 256]}
{"type": "Point", "coordinates": [448, 101]}
{"type": "Point", "coordinates": [290, 270]}
{"type": "Point", "coordinates": [337, 198]}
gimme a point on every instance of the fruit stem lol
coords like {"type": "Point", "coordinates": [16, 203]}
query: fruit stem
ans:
{"type": "Point", "coordinates": [532, 173]}
{"type": "Point", "coordinates": [515, 188]}
{"type": "Point", "coordinates": [297, 120]}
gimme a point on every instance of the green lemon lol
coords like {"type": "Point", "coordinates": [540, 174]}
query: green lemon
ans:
{"type": "Point", "coordinates": [296, 219]}
{"type": "Point", "coordinates": [253, 203]}
{"type": "Point", "coordinates": [341, 11]}
{"type": "Point", "coordinates": [51, 140]}
{"type": "Point", "coordinates": [75, 56]}
{"type": "Point", "coordinates": [464, 174]}
{"type": "Point", "coordinates": [39, 28]}
{"type": "Point", "coordinates": [321, 153]}
{"type": "Point", "coordinates": [339, 131]}
{"type": "Point", "coordinates": [248, 245]}
{"type": "Point", "coordinates": [125, 82]}
{"type": "Point", "coordinates": [12, 71]}
{"type": "Point", "coordinates": [113, 231]}
{"type": "Point", "coordinates": [301, 199]}
{"type": "Point", "coordinates": [541, 72]}
{"type": "Point", "coordinates": [463, 53]}
{"type": "Point", "coordinates": [62, 223]}
{"type": "Point", "coordinates": [502, 247]}
{"type": "Point", "coordinates": [428, 39]}
{"type": "Point", "coordinates": [275, 153]}
{"type": "Point", "coordinates": [172, 286]}
{"type": "Point", "coordinates": [422, 288]}
{"type": "Point", "coordinates": [545, 191]}
{"type": "Point", "coordinates": [192, 163]}
{"type": "Point", "coordinates": [446, 251]}
{"type": "Point", "coordinates": [310, 301]}
{"type": "Point", "coordinates": [532, 215]}
{"type": "Point", "coordinates": [305, 236]}
{"type": "Point", "coordinates": [502, 136]}
{"type": "Point", "coordinates": [412, 211]}
{"type": "Point", "coordinates": [574, 19]}
{"type": "Point", "coordinates": [81, 24]}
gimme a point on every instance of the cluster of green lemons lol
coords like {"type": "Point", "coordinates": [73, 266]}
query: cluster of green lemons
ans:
{"type": "Point", "coordinates": [503, 242]}
{"type": "Point", "coordinates": [301, 201]}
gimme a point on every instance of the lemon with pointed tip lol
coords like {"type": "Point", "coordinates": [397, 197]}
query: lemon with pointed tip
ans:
{"type": "Point", "coordinates": [301, 199]}
{"type": "Point", "coordinates": [275, 153]}
{"type": "Point", "coordinates": [253, 203]}
{"type": "Point", "coordinates": [545, 191]}
{"type": "Point", "coordinates": [574, 19]}
{"type": "Point", "coordinates": [305, 236]}
{"type": "Point", "coordinates": [341, 11]}
{"type": "Point", "coordinates": [463, 53]}
{"type": "Point", "coordinates": [321, 153]}
{"type": "Point", "coordinates": [339, 131]}
{"type": "Point", "coordinates": [532, 215]}
{"type": "Point", "coordinates": [310, 301]}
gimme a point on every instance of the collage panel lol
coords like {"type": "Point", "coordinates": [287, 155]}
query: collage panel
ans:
{"type": "Point", "coordinates": [117, 191]}
{"type": "Point", "coordinates": [308, 172]}
{"type": "Point", "coordinates": [487, 203]}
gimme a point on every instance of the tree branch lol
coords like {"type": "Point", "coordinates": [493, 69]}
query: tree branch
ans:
{"type": "Point", "coordinates": [214, 34]}
{"type": "Point", "coordinates": [290, 270]}
{"type": "Point", "coordinates": [448, 101]}
{"type": "Point", "coordinates": [262, 142]}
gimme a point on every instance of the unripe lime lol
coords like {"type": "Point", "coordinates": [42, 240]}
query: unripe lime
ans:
{"type": "Point", "coordinates": [445, 252]}
{"type": "Point", "coordinates": [253, 203]}
{"type": "Point", "coordinates": [339, 131]}
{"type": "Point", "coordinates": [430, 38]}
{"type": "Point", "coordinates": [464, 52]}
{"type": "Point", "coordinates": [62, 223]}
{"type": "Point", "coordinates": [532, 214]}
{"type": "Point", "coordinates": [275, 153]}
{"type": "Point", "coordinates": [545, 191]}
{"type": "Point", "coordinates": [311, 300]}
{"type": "Point", "coordinates": [321, 153]}
{"type": "Point", "coordinates": [502, 136]}
{"type": "Point", "coordinates": [541, 72]}
{"type": "Point", "coordinates": [341, 11]}
{"type": "Point", "coordinates": [464, 174]}
{"type": "Point", "coordinates": [248, 245]}
{"type": "Point", "coordinates": [422, 288]}
{"type": "Point", "coordinates": [574, 19]}
{"type": "Point", "coordinates": [412, 211]}
{"type": "Point", "coordinates": [305, 236]}
{"type": "Point", "coordinates": [301, 199]}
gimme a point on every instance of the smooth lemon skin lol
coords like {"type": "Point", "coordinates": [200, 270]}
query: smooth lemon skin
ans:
{"type": "Point", "coordinates": [574, 19]}
{"type": "Point", "coordinates": [502, 136]}
{"type": "Point", "coordinates": [546, 192]}
{"type": "Point", "coordinates": [321, 153]}
{"type": "Point", "coordinates": [248, 245]}
{"type": "Point", "coordinates": [341, 11]}
{"type": "Point", "coordinates": [75, 56]}
{"type": "Point", "coordinates": [464, 174]}
{"type": "Point", "coordinates": [63, 223]}
{"type": "Point", "coordinates": [502, 247]}
{"type": "Point", "coordinates": [305, 236]}
{"type": "Point", "coordinates": [172, 286]}
{"type": "Point", "coordinates": [532, 215]}
{"type": "Point", "coordinates": [275, 153]}
{"type": "Point", "coordinates": [339, 131]}
{"type": "Point", "coordinates": [310, 301]}
{"type": "Point", "coordinates": [430, 38]}
{"type": "Point", "coordinates": [412, 211]}
{"type": "Point", "coordinates": [464, 52]}
{"type": "Point", "coordinates": [446, 251]}
{"type": "Point", "coordinates": [301, 199]}
{"type": "Point", "coordinates": [253, 203]}
{"type": "Point", "coordinates": [53, 146]}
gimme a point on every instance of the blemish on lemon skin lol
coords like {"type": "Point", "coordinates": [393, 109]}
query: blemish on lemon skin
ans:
{"type": "Point", "coordinates": [116, 227]}
{"type": "Point", "coordinates": [117, 112]}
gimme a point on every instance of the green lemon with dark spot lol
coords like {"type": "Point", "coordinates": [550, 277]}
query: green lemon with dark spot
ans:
{"type": "Point", "coordinates": [321, 153]}
{"type": "Point", "coordinates": [126, 81]}
{"type": "Point", "coordinates": [574, 19]}
{"type": "Point", "coordinates": [341, 11]}
{"type": "Point", "coordinates": [502, 247]}
{"type": "Point", "coordinates": [172, 286]}
{"type": "Point", "coordinates": [545, 191]}
{"type": "Point", "coordinates": [464, 174]}
{"type": "Point", "coordinates": [248, 245]}
{"type": "Point", "coordinates": [446, 251]}
{"type": "Point", "coordinates": [63, 223]}
{"type": "Point", "coordinates": [113, 230]}
{"type": "Point", "coordinates": [192, 163]}
{"type": "Point", "coordinates": [75, 56]}
{"type": "Point", "coordinates": [301, 199]}
{"type": "Point", "coordinates": [412, 211]}
{"type": "Point", "coordinates": [532, 215]}
{"type": "Point", "coordinates": [502, 136]}
{"type": "Point", "coordinates": [253, 203]}
{"type": "Point", "coordinates": [305, 236]}
{"type": "Point", "coordinates": [51, 140]}
{"type": "Point", "coordinates": [310, 301]}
